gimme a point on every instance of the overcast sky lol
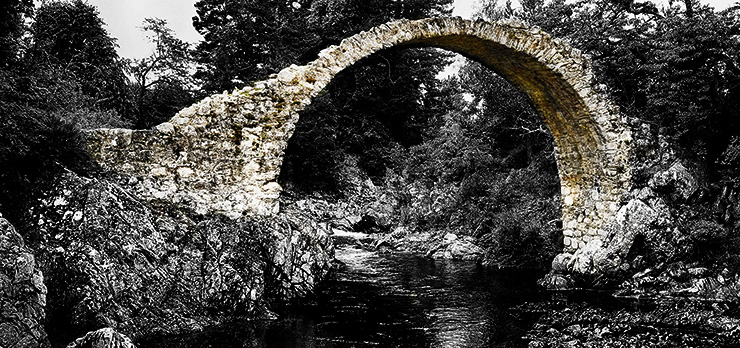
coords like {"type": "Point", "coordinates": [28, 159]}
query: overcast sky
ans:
{"type": "Point", "coordinates": [124, 17]}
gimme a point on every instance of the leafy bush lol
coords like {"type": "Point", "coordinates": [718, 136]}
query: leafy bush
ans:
{"type": "Point", "coordinates": [488, 172]}
{"type": "Point", "coordinates": [34, 145]}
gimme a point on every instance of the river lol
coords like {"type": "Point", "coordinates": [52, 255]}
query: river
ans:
{"type": "Point", "coordinates": [391, 300]}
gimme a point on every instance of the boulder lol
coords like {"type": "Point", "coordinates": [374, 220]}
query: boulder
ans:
{"type": "Point", "coordinates": [464, 250]}
{"type": "Point", "coordinates": [300, 253]}
{"type": "Point", "coordinates": [676, 180]}
{"type": "Point", "coordinates": [457, 248]}
{"type": "Point", "coordinates": [22, 293]}
{"type": "Point", "coordinates": [346, 223]}
{"type": "Point", "coordinates": [103, 338]}
{"type": "Point", "coordinates": [608, 257]}
{"type": "Point", "coordinates": [633, 218]}
{"type": "Point", "coordinates": [556, 281]}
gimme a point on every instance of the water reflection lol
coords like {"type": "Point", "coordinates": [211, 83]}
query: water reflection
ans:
{"type": "Point", "coordinates": [390, 301]}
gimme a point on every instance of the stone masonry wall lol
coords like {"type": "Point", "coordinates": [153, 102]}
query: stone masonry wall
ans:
{"type": "Point", "coordinates": [224, 153]}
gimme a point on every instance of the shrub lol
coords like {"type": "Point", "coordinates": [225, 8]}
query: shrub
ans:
{"type": "Point", "coordinates": [34, 146]}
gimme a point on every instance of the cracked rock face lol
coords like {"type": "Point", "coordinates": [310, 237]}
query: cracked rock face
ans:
{"type": "Point", "coordinates": [224, 153]}
{"type": "Point", "coordinates": [22, 293]}
{"type": "Point", "coordinates": [113, 261]}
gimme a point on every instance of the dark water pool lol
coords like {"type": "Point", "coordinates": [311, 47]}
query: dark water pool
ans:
{"type": "Point", "coordinates": [395, 300]}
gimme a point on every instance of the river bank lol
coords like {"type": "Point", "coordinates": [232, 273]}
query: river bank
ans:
{"type": "Point", "coordinates": [390, 298]}
{"type": "Point", "coordinates": [670, 306]}
{"type": "Point", "coordinates": [581, 320]}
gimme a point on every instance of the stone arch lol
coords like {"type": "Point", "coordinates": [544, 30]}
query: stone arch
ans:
{"type": "Point", "coordinates": [224, 153]}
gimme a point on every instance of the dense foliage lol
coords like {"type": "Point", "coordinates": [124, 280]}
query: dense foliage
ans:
{"type": "Point", "coordinates": [247, 40]}
{"type": "Point", "coordinates": [62, 72]}
{"type": "Point", "coordinates": [71, 36]}
{"type": "Point", "coordinates": [673, 69]}
{"type": "Point", "coordinates": [489, 171]}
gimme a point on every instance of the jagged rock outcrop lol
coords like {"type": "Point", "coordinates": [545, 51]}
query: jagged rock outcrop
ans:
{"type": "Point", "coordinates": [644, 214]}
{"type": "Point", "coordinates": [103, 338]}
{"type": "Point", "coordinates": [113, 261]}
{"type": "Point", "coordinates": [661, 225]}
{"type": "Point", "coordinates": [22, 293]}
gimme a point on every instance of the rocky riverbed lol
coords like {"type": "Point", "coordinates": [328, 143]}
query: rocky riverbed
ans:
{"type": "Point", "coordinates": [605, 321]}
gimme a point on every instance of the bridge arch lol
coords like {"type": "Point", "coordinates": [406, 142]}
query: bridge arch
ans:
{"type": "Point", "coordinates": [224, 153]}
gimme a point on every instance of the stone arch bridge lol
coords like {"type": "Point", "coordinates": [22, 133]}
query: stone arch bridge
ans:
{"type": "Point", "coordinates": [224, 153]}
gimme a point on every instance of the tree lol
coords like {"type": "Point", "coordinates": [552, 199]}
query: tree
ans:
{"type": "Point", "coordinates": [63, 80]}
{"type": "Point", "coordinates": [70, 36]}
{"type": "Point", "coordinates": [373, 110]}
{"type": "Point", "coordinates": [13, 14]}
{"type": "Point", "coordinates": [162, 84]}
{"type": "Point", "coordinates": [675, 68]}
{"type": "Point", "coordinates": [247, 40]}
{"type": "Point", "coordinates": [694, 85]}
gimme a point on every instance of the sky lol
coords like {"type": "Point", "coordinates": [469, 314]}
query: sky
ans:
{"type": "Point", "coordinates": [124, 17]}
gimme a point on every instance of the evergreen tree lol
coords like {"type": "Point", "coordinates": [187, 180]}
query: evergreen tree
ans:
{"type": "Point", "coordinates": [13, 14]}
{"type": "Point", "coordinates": [246, 40]}
{"type": "Point", "coordinates": [70, 37]}
{"type": "Point", "coordinates": [161, 81]}
{"type": "Point", "coordinates": [373, 110]}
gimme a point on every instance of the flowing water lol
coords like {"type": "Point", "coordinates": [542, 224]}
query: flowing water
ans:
{"type": "Point", "coordinates": [391, 300]}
